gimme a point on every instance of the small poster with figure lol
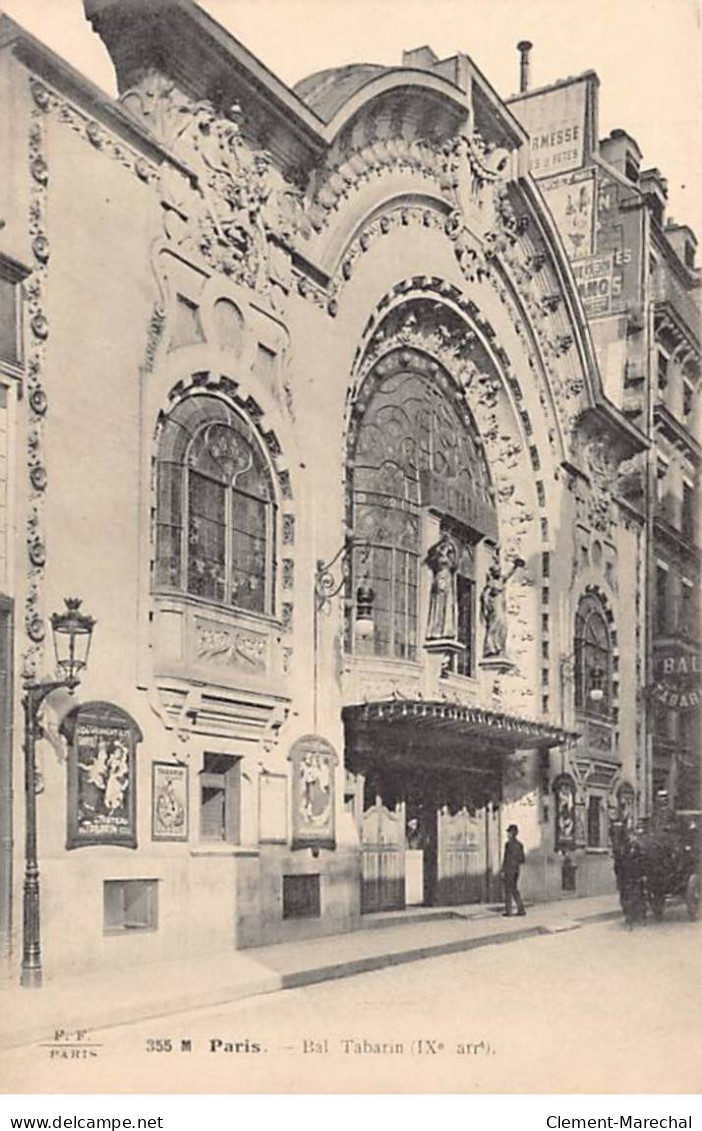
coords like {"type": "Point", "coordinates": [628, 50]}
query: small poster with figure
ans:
{"type": "Point", "coordinates": [169, 801]}
{"type": "Point", "coordinates": [314, 762]}
{"type": "Point", "coordinates": [101, 775]}
{"type": "Point", "coordinates": [564, 789]}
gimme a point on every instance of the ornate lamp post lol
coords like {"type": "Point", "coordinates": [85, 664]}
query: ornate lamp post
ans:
{"type": "Point", "coordinates": [72, 632]}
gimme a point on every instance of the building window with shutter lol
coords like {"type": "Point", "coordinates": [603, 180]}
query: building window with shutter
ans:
{"type": "Point", "coordinates": [220, 796]}
{"type": "Point", "coordinates": [130, 905]}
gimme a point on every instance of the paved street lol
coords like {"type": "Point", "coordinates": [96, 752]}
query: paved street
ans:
{"type": "Point", "coordinates": [597, 1009]}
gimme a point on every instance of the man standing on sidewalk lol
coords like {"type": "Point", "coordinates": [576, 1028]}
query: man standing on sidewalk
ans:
{"type": "Point", "coordinates": [511, 863]}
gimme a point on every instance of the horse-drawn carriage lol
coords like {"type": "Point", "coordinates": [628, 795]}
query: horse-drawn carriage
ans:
{"type": "Point", "coordinates": [657, 864]}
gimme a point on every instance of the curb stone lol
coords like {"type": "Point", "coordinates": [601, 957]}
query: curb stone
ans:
{"type": "Point", "coordinates": [294, 979]}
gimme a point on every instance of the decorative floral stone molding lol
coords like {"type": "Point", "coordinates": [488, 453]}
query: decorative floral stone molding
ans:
{"type": "Point", "coordinates": [94, 133]}
{"type": "Point", "coordinates": [38, 334]}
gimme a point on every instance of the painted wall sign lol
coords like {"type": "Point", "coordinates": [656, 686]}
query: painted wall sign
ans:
{"type": "Point", "coordinates": [597, 284]}
{"type": "Point", "coordinates": [169, 801]}
{"type": "Point", "coordinates": [101, 775]}
{"type": "Point", "coordinates": [555, 121]}
{"type": "Point", "coordinates": [314, 761]}
{"type": "Point", "coordinates": [677, 685]}
{"type": "Point", "coordinates": [571, 200]}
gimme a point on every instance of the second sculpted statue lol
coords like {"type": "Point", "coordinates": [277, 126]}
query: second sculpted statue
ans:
{"type": "Point", "coordinates": [493, 606]}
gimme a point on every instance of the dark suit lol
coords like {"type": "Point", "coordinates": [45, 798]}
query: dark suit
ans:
{"type": "Point", "coordinates": [511, 863]}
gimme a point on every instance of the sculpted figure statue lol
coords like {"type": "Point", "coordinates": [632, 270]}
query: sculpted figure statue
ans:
{"type": "Point", "coordinates": [442, 560]}
{"type": "Point", "coordinates": [493, 606]}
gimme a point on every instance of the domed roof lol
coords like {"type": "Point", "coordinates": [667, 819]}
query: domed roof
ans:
{"type": "Point", "coordinates": [326, 91]}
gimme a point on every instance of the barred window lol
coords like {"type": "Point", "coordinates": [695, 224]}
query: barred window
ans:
{"type": "Point", "coordinates": [215, 522]}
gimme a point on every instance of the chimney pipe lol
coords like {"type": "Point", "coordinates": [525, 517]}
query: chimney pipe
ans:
{"type": "Point", "coordinates": [524, 47]}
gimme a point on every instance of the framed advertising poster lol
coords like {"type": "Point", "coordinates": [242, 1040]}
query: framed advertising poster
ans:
{"type": "Point", "coordinates": [564, 790]}
{"type": "Point", "coordinates": [169, 801]}
{"type": "Point", "coordinates": [313, 761]}
{"type": "Point", "coordinates": [101, 775]}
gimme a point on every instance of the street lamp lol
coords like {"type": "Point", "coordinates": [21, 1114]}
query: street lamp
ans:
{"type": "Point", "coordinates": [72, 632]}
{"type": "Point", "coordinates": [327, 585]}
{"type": "Point", "coordinates": [596, 677]}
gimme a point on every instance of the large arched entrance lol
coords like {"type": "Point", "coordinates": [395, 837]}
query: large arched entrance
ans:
{"type": "Point", "coordinates": [419, 503]}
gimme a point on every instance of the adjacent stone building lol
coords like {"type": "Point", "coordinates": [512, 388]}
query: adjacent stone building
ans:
{"type": "Point", "coordinates": [640, 287]}
{"type": "Point", "coordinates": [299, 396]}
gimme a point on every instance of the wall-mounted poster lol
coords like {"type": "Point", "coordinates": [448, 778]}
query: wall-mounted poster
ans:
{"type": "Point", "coordinates": [169, 801]}
{"type": "Point", "coordinates": [313, 761]}
{"type": "Point", "coordinates": [564, 790]}
{"type": "Point", "coordinates": [101, 775]}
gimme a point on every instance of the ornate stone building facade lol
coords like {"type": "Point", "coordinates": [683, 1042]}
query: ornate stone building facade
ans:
{"type": "Point", "coordinates": [305, 407]}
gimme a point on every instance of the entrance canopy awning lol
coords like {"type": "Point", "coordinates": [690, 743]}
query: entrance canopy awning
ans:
{"type": "Point", "coordinates": [441, 720]}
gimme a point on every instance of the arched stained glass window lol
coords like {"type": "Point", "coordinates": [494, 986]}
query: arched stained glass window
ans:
{"type": "Point", "coordinates": [411, 444]}
{"type": "Point", "coordinates": [215, 522]}
{"type": "Point", "coordinates": [593, 658]}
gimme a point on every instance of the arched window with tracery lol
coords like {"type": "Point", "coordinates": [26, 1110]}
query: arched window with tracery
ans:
{"type": "Point", "coordinates": [215, 509]}
{"type": "Point", "coordinates": [593, 658]}
{"type": "Point", "coordinates": [411, 445]}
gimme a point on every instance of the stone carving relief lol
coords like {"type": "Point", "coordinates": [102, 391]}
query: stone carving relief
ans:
{"type": "Point", "coordinates": [365, 154]}
{"type": "Point", "coordinates": [602, 475]}
{"type": "Point", "coordinates": [228, 203]}
{"type": "Point", "coordinates": [230, 647]}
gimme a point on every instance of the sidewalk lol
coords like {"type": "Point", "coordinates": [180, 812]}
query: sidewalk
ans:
{"type": "Point", "coordinates": [104, 999]}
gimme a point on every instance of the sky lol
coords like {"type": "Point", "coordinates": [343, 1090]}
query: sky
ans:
{"type": "Point", "coordinates": [646, 53]}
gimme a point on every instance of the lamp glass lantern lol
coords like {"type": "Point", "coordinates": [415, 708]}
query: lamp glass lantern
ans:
{"type": "Point", "coordinates": [72, 632]}
{"type": "Point", "coordinates": [364, 624]}
{"type": "Point", "coordinates": [596, 693]}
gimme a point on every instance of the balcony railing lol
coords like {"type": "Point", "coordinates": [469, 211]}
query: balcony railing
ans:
{"type": "Point", "coordinates": [668, 289]}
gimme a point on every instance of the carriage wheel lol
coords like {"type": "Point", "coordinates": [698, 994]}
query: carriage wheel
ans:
{"type": "Point", "coordinates": [658, 906]}
{"type": "Point", "coordinates": [692, 896]}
